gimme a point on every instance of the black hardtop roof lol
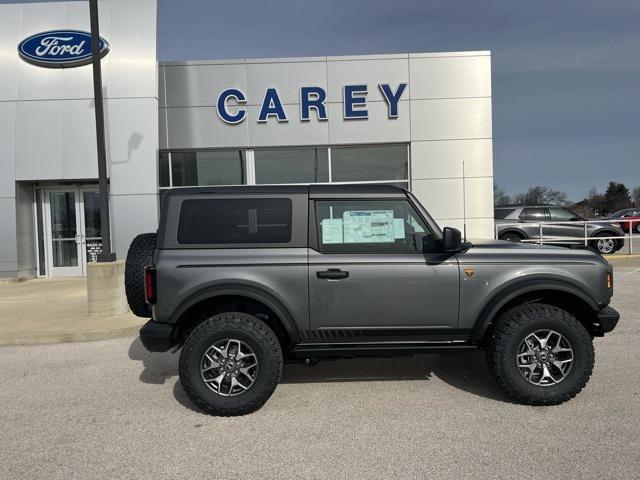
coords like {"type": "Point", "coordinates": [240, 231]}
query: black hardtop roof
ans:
{"type": "Point", "coordinates": [313, 190]}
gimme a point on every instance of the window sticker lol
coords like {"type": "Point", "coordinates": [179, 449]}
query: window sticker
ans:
{"type": "Point", "coordinates": [332, 230]}
{"type": "Point", "coordinates": [398, 228]}
{"type": "Point", "coordinates": [368, 226]}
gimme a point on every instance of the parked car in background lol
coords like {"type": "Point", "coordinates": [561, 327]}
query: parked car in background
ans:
{"type": "Point", "coordinates": [628, 217]}
{"type": "Point", "coordinates": [518, 223]}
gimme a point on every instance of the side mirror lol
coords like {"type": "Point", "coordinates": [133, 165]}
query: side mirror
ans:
{"type": "Point", "coordinates": [451, 240]}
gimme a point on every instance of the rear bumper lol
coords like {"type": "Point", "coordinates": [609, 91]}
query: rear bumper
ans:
{"type": "Point", "coordinates": [607, 319]}
{"type": "Point", "coordinates": [157, 337]}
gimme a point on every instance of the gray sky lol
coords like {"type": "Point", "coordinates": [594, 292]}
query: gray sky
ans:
{"type": "Point", "coordinates": [566, 74]}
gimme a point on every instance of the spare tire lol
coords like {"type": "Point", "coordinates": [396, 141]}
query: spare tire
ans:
{"type": "Point", "coordinates": [140, 255]}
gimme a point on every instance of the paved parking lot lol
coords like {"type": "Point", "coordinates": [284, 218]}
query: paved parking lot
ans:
{"type": "Point", "coordinates": [110, 410]}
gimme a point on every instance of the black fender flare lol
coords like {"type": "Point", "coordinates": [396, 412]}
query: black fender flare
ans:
{"type": "Point", "coordinates": [240, 290]}
{"type": "Point", "coordinates": [521, 287]}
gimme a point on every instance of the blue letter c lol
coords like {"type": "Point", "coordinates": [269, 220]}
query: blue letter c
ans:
{"type": "Point", "coordinates": [222, 105]}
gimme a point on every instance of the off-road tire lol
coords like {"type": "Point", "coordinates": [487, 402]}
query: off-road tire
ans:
{"type": "Point", "coordinates": [139, 256]}
{"type": "Point", "coordinates": [509, 331]}
{"type": "Point", "coordinates": [248, 329]}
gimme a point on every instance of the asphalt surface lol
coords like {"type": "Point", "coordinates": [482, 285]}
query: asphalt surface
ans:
{"type": "Point", "coordinates": [110, 410]}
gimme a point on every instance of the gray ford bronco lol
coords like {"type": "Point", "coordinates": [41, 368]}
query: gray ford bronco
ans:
{"type": "Point", "coordinates": [246, 278]}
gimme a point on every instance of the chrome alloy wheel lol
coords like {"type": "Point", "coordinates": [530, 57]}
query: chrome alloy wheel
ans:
{"type": "Point", "coordinates": [606, 245]}
{"type": "Point", "coordinates": [229, 367]}
{"type": "Point", "coordinates": [544, 358]}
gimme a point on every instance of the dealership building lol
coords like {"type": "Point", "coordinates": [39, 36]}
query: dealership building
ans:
{"type": "Point", "coordinates": [419, 120]}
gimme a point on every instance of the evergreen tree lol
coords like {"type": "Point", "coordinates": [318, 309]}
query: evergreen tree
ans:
{"type": "Point", "coordinates": [617, 197]}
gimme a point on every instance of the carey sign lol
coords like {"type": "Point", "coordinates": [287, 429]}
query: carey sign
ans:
{"type": "Point", "coordinates": [59, 48]}
{"type": "Point", "coordinates": [231, 104]}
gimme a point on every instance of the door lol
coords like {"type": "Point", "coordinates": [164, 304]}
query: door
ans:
{"type": "Point", "coordinates": [565, 232]}
{"type": "Point", "coordinates": [62, 215]}
{"type": "Point", "coordinates": [72, 228]}
{"type": "Point", "coordinates": [91, 232]}
{"type": "Point", "coordinates": [534, 218]}
{"type": "Point", "coordinates": [370, 280]}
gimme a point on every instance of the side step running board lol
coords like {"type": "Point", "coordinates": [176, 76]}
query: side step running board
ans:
{"type": "Point", "coordinates": [375, 350]}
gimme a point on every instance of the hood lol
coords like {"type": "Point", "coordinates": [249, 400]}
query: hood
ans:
{"type": "Point", "coordinates": [505, 244]}
{"type": "Point", "coordinates": [499, 251]}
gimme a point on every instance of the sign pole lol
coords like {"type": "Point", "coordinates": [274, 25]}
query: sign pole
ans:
{"type": "Point", "coordinates": [107, 255]}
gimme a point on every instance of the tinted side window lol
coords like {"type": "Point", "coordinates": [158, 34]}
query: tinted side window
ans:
{"type": "Point", "coordinates": [369, 226]}
{"type": "Point", "coordinates": [535, 214]}
{"type": "Point", "coordinates": [558, 214]}
{"type": "Point", "coordinates": [502, 213]}
{"type": "Point", "coordinates": [255, 220]}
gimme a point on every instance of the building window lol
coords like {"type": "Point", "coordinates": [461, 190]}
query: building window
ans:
{"type": "Point", "coordinates": [291, 165]}
{"type": "Point", "coordinates": [164, 179]}
{"type": "Point", "coordinates": [302, 165]}
{"type": "Point", "coordinates": [209, 167]}
{"type": "Point", "coordinates": [369, 163]}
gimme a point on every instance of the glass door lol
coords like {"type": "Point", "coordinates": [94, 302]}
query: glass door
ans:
{"type": "Point", "coordinates": [72, 229]}
{"type": "Point", "coordinates": [91, 233]}
{"type": "Point", "coordinates": [62, 214]}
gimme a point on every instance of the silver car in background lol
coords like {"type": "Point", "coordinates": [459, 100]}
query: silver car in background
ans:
{"type": "Point", "coordinates": [559, 226]}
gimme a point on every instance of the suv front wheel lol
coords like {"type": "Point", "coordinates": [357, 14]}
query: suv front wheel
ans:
{"type": "Point", "coordinates": [605, 246]}
{"type": "Point", "coordinates": [230, 364]}
{"type": "Point", "coordinates": [540, 354]}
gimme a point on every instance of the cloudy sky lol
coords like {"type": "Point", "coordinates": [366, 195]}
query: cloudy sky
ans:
{"type": "Point", "coordinates": [566, 73]}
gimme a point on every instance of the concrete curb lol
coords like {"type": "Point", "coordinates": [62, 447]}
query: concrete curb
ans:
{"type": "Point", "coordinates": [21, 338]}
{"type": "Point", "coordinates": [621, 257]}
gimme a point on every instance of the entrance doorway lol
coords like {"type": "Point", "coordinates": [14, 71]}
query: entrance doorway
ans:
{"type": "Point", "coordinates": [71, 229]}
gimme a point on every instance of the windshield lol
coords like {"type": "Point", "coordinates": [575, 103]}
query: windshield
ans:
{"type": "Point", "coordinates": [620, 213]}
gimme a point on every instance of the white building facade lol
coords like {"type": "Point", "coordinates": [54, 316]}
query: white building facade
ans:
{"type": "Point", "coordinates": [422, 121]}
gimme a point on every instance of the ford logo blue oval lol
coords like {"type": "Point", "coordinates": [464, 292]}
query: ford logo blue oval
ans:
{"type": "Point", "coordinates": [60, 48]}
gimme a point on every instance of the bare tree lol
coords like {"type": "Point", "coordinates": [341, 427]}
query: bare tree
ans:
{"type": "Point", "coordinates": [540, 195]}
{"type": "Point", "coordinates": [500, 197]}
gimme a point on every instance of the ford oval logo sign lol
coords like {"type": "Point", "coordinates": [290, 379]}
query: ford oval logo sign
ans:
{"type": "Point", "coordinates": [60, 48]}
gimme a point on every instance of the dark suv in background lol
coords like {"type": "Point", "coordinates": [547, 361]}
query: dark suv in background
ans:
{"type": "Point", "coordinates": [518, 223]}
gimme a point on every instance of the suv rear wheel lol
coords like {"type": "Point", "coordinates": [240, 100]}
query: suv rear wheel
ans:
{"type": "Point", "coordinates": [540, 354]}
{"type": "Point", "coordinates": [511, 237]}
{"type": "Point", "coordinates": [230, 364]}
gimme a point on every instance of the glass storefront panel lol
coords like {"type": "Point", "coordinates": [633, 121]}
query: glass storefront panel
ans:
{"type": "Point", "coordinates": [369, 163]}
{"type": "Point", "coordinates": [64, 229]}
{"type": "Point", "coordinates": [42, 264]}
{"type": "Point", "coordinates": [92, 227]}
{"type": "Point", "coordinates": [219, 167]}
{"type": "Point", "coordinates": [302, 165]}
{"type": "Point", "coordinates": [291, 165]}
{"type": "Point", "coordinates": [163, 170]}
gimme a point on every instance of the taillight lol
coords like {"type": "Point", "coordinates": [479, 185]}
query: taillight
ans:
{"type": "Point", "coordinates": [150, 284]}
{"type": "Point", "coordinates": [609, 280]}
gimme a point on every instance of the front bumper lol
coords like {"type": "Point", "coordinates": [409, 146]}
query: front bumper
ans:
{"type": "Point", "coordinates": [157, 337]}
{"type": "Point", "coordinates": [607, 319]}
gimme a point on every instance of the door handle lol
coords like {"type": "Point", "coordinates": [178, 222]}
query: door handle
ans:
{"type": "Point", "coordinates": [332, 273]}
